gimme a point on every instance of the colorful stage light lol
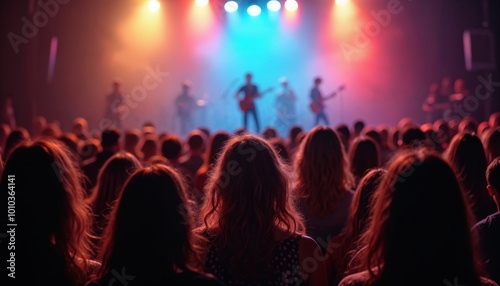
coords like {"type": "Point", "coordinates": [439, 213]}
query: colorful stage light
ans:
{"type": "Point", "coordinates": [341, 2]}
{"type": "Point", "coordinates": [154, 6]}
{"type": "Point", "coordinates": [254, 10]}
{"type": "Point", "coordinates": [231, 6]}
{"type": "Point", "coordinates": [291, 5]}
{"type": "Point", "coordinates": [274, 5]}
{"type": "Point", "coordinates": [202, 3]}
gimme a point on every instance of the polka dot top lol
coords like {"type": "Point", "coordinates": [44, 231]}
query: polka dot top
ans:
{"type": "Point", "coordinates": [285, 266]}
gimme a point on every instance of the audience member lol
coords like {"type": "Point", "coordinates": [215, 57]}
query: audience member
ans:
{"type": "Point", "coordinates": [110, 144]}
{"type": "Point", "coordinates": [52, 240]}
{"type": "Point", "coordinates": [149, 238]}
{"type": "Point", "coordinates": [420, 232]}
{"type": "Point", "coordinates": [324, 184]}
{"type": "Point", "coordinates": [489, 228]}
{"type": "Point", "coordinates": [254, 234]}
{"type": "Point", "coordinates": [466, 155]}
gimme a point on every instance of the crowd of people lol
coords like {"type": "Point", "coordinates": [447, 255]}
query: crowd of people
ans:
{"type": "Point", "coordinates": [363, 205]}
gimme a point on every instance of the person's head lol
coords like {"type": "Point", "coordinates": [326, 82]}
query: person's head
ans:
{"type": "Point", "coordinates": [466, 154]}
{"type": "Point", "coordinates": [284, 82]}
{"type": "Point", "coordinates": [149, 148]}
{"type": "Point", "coordinates": [186, 86]}
{"type": "Point", "coordinates": [491, 143]}
{"type": "Point", "coordinates": [110, 181]}
{"type": "Point", "coordinates": [17, 136]}
{"type": "Point", "coordinates": [446, 83]}
{"type": "Point", "coordinates": [52, 130]}
{"type": "Point", "coordinates": [80, 126]}
{"type": "Point", "coordinates": [243, 211]}
{"type": "Point", "coordinates": [482, 128]}
{"type": "Point", "coordinates": [420, 226]}
{"type": "Point", "coordinates": [494, 120]}
{"type": "Point", "coordinates": [88, 149]}
{"type": "Point", "coordinates": [317, 81]}
{"type": "Point", "coordinates": [493, 179]}
{"type": "Point", "coordinates": [412, 136]}
{"type": "Point", "coordinates": [110, 140]}
{"type": "Point", "coordinates": [116, 85]}
{"type": "Point", "coordinates": [292, 134]}
{"type": "Point", "coordinates": [364, 154]}
{"type": "Point", "coordinates": [468, 124]}
{"type": "Point", "coordinates": [269, 133]}
{"type": "Point", "coordinates": [205, 130]}
{"type": "Point", "coordinates": [50, 210]}
{"type": "Point", "coordinates": [459, 85]}
{"type": "Point", "coordinates": [433, 88]}
{"type": "Point", "coordinates": [359, 125]}
{"type": "Point", "coordinates": [196, 141]}
{"type": "Point", "coordinates": [150, 229]}
{"type": "Point", "coordinates": [215, 145]}
{"type": "Point", "coordinates": [171, 148]}
{"type": "Point", "coordinates": [405, 122]}
{"type": "Point", "coordinates": [248, 78]}
{"type": "Point", "coordinates": [323, 170]}
{"type": "Point", "coordinates": [344, 133]}
{"type": "Point", "coordinates": [71, 141]}
{"type": "Point", "coordinates": [393, 139]}
{"type": "Point", "coordinates": [132, 139]}
{"type": "Point", "coordinates": [38, 124]}
{"type": "Point", "coordinates": [373, 134]}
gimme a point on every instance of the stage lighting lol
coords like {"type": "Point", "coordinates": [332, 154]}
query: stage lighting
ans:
{"type": "Point", "coordinates": [254, 10]}
{"type": "Point", "coordinates": [231, 6]}
{"type": "Point", "coordinates": [341, 2]}
{"type": "Point", "coordinates": [274, 5]}
{"type": "Point", "coordinates": [202, 3]}
{"type": "Point", "coordinates": [291, 5]}
{"type": "Point", "coordinates": [153, 5]}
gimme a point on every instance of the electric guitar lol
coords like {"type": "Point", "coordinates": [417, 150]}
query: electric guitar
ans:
{"type": "Point", "coordinates": [317, 105]}
{"type": "Point", "coordinates": [247, 102]}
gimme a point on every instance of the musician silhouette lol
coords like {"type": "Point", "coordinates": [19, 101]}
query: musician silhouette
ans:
{"type": "Point", "coordinates": [250, 92]}
{"type": "Point", "coordinates": [185, 103]}
{"type": "Point", "coordinates": [317, 99]}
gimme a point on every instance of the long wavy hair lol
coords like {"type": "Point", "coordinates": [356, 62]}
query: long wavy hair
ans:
{"type": "Point", "coordinates": [245, 207]}
{"type": "Point", "coordinates": [323, 170]}
{"type": "Point", "coordinates": [149, 234]}
{"type": "Point", "coordinates": [364, 154]}
{"type": "Point", "coordinates": [357, 222]}
{"type": "Point", "coordinates": [110, 181]}
{"type": "Point", "coordinates": [420, 231]}
{"type": "Point", "coordinates": [53, 218]}
{"type": "Point", "coordinates": [466, 154]}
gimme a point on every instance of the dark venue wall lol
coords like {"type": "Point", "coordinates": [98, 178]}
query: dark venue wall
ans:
{"type": "Point", "coordinates": [98, 41]}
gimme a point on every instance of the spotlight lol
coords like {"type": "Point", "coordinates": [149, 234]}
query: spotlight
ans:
{"type": "Point", "coordinates": [202, 3]}
{"type": "Point", "coordinates": [231, 6]}
{"type": "Point", "coordinates": [274, 5]}
{"type": "Point", "coordinates": [153, 5]}
{"type": "Point", "coordinates": [254, 10]}
{"type": "Point", "coordinates": [291, 5]}
{"type": "Point", "coordinates": [341, 2]}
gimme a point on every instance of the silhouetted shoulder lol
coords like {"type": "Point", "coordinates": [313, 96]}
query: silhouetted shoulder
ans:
{"type": "Point", "coordinates": [357, 279]}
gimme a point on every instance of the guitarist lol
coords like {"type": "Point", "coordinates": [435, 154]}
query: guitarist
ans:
{"type": "Point", "coordinates": [317, 99]}
{"type": "Point", "coordinates": [185, 103]}
{"type": "Point", "coordinates": [250, 92]}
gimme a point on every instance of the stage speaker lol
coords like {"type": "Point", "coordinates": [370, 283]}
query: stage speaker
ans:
{"type": "Point", "coordinates": [479, 50]}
